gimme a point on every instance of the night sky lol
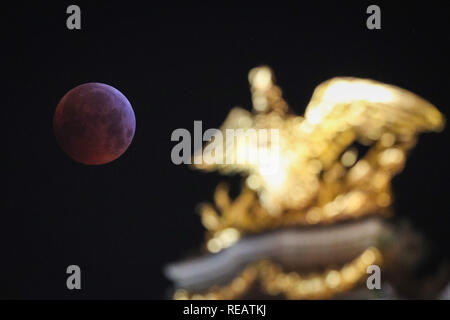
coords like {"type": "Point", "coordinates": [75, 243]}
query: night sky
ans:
{"type": "Point", "coordinates": [122, 222]}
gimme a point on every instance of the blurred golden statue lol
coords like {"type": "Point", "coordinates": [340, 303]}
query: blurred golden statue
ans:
{"type": "Point", "coordinates": [320, 177]}
{"type": "Point", "coordinates": [334, 164]}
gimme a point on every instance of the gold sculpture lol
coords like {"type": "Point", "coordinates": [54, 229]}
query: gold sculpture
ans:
{"type": "Point", "coordinates": [319, 177]}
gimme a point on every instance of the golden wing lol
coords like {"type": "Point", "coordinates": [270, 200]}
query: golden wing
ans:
{"type": "Point", "coordinates": [386, 119]}
{"type": "Point", "coordinates": [367, 111]}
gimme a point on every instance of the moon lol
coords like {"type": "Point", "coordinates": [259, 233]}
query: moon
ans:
{"type": "Point", "coordinates": [94, 123]}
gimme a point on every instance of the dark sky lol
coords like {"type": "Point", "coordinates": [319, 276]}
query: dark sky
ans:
{"type": "Point", "coordinates": [122, 222]}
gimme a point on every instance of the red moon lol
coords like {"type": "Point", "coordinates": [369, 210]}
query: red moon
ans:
{"type": "Point", "coordinates": [94, 123]}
